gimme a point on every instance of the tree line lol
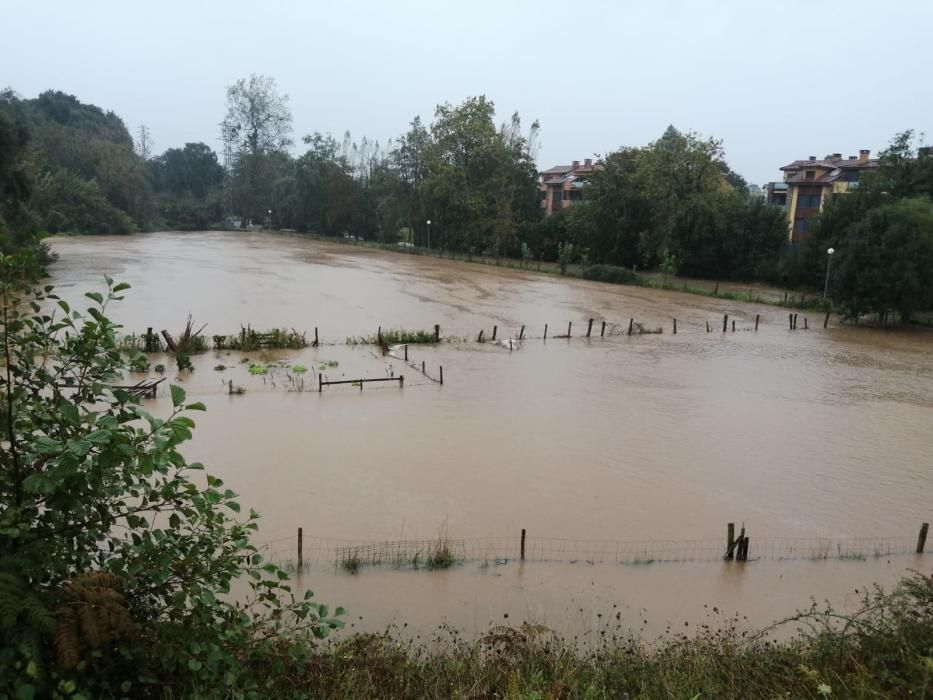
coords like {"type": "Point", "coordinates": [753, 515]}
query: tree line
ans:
{"type": "Point", "coordinates": [673, 204]}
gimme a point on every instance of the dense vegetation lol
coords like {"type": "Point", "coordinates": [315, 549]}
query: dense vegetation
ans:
{"type": "Point", "coordinates": [671, 205]}
{"type": "Point", "coordinates": [882, 235]}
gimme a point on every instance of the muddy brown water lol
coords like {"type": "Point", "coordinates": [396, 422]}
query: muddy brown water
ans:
{"type": "Point", "coordinates": [818, 433]}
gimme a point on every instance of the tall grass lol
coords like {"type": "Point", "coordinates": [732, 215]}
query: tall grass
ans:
{"type": "Point", "coordinates": [884, 650]}
{"type": "Point", "coordinates": [394, 336]}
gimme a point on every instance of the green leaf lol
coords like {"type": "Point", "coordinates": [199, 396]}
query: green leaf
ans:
{"type": "Point", "coordinates": [178, 395]}
{"type": "Point", "coordinates": [120, 287]}
{"type": "Point", "coordinates": [194, 664]}
{"type": "Point", "coordinates": [95, 296]}
{"type": "Point", "coordinates": [197, 406]}
{"type": "Point", "coordinates": [99, 437]}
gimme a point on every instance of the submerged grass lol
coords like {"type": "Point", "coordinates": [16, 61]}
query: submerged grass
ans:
{"type": "Point", "coordinates": [884, 650]}
{"type": "Point", "coordinates": [440, 553]}
{"type": "Point", "coordinates": [395, 336]}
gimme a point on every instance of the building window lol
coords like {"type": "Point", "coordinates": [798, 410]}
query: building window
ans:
{"type": "Point", "coordinates": [558, 195]}
{"type": "Point", "coordinates": [810, 175]}
{"type": "Point", "coordinates": [575, 195]}
{"type": "Point", "coordinates": [802, 226]}
{"type": "Point", "coordinates": [808, 201]}
{"type": "Point", "coordinates": [852, 175]}
{"type": "Point", "coordinates": [543, 195]}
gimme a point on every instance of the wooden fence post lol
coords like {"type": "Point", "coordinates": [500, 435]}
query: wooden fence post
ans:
{"type": "Point", "coordinates": [757, 316]}
{"type": "Point", "coordinates": [437, 332]}
{"type": "Point", "coordinates": [320, 382]}
{"type": "Point", "coordinates": [785, 298]}
{"type": "Point", "coordinates": [521, 333]}
{"type": "Point", "coordinates": [733, 325]}
{"type": "Point", "coordinates": [725, 322]}
{"type": "Point", "coordinates": [806, 326]}
{"type": "Point", "coordinates": [790, 321]}
{"type": "Point", "coordinates": [300, 547]}
{"type": "Point", "coordinates": [479, 338]}
{"type": "Point", "coordinates": [379, 335]}
{"type": "Point", "coordinates": [422, 367]}
{"type": "Point", "coordinates": [545, 331]}
{"type": "Point", "coordinates": [442, 376]}
{"type": "Point", "coordinates": [922, 539]}
{"type": "Point", "coordinates": [569, 324]}
{"type": "Point", "coordinates": [602, 331]}
{"type": "Point", "coordinates": [730, 541]}
{"type": "Point", "coordinates": [401, 381]}
{"type": "Point", "coordinates": [826, 320]}
{"type": "Point", "coordinates": [169, 343]}
{"type": "Point", "coordinates": [675, 326]}
{"type": "Point", "coordinates": [707, 326]}
{"type": "Point", "coordinates": [495, 329]}
{"type": "Point", "coordinates": [631, 323]}
{"type": "Point", "coordinates": [315, 337]}
{"type": "Point", "coordinates": [589, 328]}
{"type": "Point", "coordinates": [523, 545]}
{"type": "Point", "coordinates": [406, 352]}
{"type": "Point", "coordinates": [795, 321]}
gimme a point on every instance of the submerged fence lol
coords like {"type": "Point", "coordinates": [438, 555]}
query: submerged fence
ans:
{"type": "Point", "coordinates": [300, 551]}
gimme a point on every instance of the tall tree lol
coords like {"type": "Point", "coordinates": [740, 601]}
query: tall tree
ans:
{"type": "Point", "coordinates": [258, 118]}
{"type": "Point", "coordinates": [258, 125]}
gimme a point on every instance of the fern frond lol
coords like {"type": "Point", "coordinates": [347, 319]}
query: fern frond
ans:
{"type": "Point", "coordinates": [67, 643]}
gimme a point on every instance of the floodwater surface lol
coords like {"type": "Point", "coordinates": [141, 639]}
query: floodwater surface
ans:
{"type": "Point", "coordinates": [819, 433]}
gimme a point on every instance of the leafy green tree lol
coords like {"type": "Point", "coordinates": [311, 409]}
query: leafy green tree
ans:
{"type": "Point", "coordinates": [885, 262]}
{"type": "Point", "coordinates": [18, 224]}
{"type": "Point", "coordinates": [93, 145]}
{"type": "Point", "coordinates": [117, 555]}
{"type": "Point", "coordinates": [71, 204]}
{"type": "Point", "coordinates": [192, 171]}
{"type": "Point", "coordinates": [905, 169]}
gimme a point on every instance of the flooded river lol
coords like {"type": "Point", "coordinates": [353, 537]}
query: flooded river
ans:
{"type": "Point", "coordinates": [796, 434]}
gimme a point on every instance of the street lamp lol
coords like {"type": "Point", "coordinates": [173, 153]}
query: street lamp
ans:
{"type": "Point", "coordinates": [270, 218]}
{"type": "Point", "coordinates": [429, 234]}
{"type": "Point", "coordinates": [829, 261]}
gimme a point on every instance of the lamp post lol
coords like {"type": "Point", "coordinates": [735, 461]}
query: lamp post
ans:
{"type": "Point", "coordinates": [829, 262]}
{"type": "Point", "coordinates": [429, 234]}
{"type": "Point", "coordinates": [270, 218]}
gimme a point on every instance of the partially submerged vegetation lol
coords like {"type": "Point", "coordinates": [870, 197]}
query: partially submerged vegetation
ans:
{"type": "Point", "coordinates": [439, 553]}
{"type": "Point", "coordinates": [250, 340]}
{"type": "Point", "coordinates": [396, 336]}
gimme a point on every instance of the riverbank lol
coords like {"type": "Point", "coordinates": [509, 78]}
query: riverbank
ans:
{"type": "Point", "coordinates": [880, 650]}
{"type": "Point", "coordinates": [754, 292]}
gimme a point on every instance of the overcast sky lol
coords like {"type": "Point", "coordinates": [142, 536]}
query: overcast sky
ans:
{"type": "Point", "coordinates": [775, 81]}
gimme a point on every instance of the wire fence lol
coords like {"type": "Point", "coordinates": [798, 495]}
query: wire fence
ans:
{"type": "Point", "coordinates": [316, 551]}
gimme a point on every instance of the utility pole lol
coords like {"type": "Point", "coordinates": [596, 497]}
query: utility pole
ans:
{"type": "Point", "coordinates": [227, 138]}
{"type": "Point", "coordinates": [144, 142]}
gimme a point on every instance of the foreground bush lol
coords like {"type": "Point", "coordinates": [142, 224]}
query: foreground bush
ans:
{"type": "Point", "coordinates": [117, 556]}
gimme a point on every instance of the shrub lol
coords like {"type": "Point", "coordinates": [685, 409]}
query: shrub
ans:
{"type": "Point", "coordinates": [609, 273]}
{"type": "Point", "coordinates": [117, 556]}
